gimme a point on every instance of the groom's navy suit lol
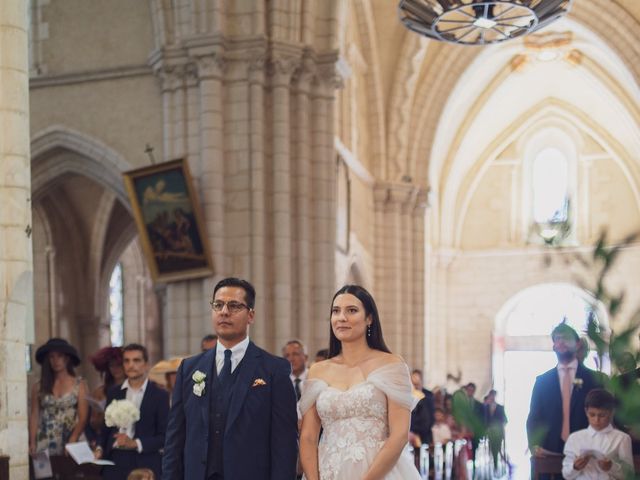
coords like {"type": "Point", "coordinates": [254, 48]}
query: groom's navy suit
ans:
{"type": "Point", "coordinates": [244, 428]}
{"type": "Point", "coordinates": [544, 424]}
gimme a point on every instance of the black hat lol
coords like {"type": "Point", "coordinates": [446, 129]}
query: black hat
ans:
{"type": "Point", "coordinates": [58, 345]}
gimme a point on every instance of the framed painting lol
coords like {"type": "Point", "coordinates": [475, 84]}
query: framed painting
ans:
{"type": "Point", "coordinates": [169, 220]}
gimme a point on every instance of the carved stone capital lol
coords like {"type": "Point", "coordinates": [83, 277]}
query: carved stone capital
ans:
{"type": "Point", "coordinates": [210, 66]}
{"type": "Point", "coordinates": [282, 68]}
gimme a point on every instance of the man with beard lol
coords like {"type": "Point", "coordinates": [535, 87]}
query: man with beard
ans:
{"type": "Point", "coordinates": [557, 400]}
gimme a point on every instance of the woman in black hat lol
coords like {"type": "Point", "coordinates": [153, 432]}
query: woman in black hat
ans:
{"type": "Point", "coordinates": [59, 407]}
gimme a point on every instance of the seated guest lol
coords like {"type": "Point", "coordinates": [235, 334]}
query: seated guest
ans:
{"type": "Point", "coordinates": [140, 445]}
{"type": "Point", "coordinates": [107, 361]}
{"type": "Point", "coordinates": [321, 355]}
{"type": "Point", "coordinates": [598, 451]}
{"type": "Point", "coordinates": [59, 407]}
{"type": "Point", "coordinates": [208, 342]}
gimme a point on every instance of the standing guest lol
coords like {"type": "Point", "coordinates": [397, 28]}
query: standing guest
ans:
{"type": "Point", "coordinates": [233, 412]}
{"type": "Point", "coordinates": [108, 362]}
{"type": "Point", "coordinates": [360, 397]}
{"type": "Point", "coordinates": [440, 430]}
{"type": "Point", "coordinates": [208, 342]}
{"type": "Point", "coordinates": [321, 355]}
{"type": "Point", "coordinates": [139, 446]}
{"type": "Point", "coordinates": [626, 387]}
{"type": "Point", "coordinates": [296, 354]}
{"type": "Point", "coordinates": [59, 408]}
{"type": "Point", "coordinates": [495, 419]}
{"type": "Point", "coordinates": [557, 399]}
{"type": "Point", "coordinates": [599, 451]}
{"type": "Point", "coordinates": [423, 415]}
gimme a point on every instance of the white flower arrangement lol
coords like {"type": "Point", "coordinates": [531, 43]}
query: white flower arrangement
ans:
{"type": "Point", "coordinates": [198, 378]}
{"type": "Point", "coordinates": [577, 382]}
{"type": "Point", "coordinates": [121, 414]}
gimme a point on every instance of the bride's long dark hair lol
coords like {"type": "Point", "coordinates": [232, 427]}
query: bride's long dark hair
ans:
{"type": "Point", "coordinates": [375, 340]}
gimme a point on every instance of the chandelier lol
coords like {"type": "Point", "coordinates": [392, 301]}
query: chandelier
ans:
{"type": "Point", "coordinates": [479, 22]}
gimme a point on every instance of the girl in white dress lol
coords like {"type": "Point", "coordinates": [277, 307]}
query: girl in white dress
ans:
{"type": "Point", "coordinates": [360, 397]}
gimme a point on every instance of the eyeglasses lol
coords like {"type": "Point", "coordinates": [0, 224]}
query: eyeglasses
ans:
{"type": "Point", "coordinates": [232, 307]}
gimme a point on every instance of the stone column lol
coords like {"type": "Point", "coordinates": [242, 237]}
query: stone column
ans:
{"type": "Point", "coordinates": [16, 284]}
{"type": "Point", "coordinates": [399, 270]}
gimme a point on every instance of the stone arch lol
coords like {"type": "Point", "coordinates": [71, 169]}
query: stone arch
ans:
{"type": "Point", "coordinates": [100, 163]}
{"type": "Point", "coordinates": [453, 211]}
{"type": "Point", "coordinates": [609, 20]}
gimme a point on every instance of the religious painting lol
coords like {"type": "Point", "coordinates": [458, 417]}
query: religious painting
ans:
{"type": "Point", "coordinates": [169, 220]}
{"type": "Point", "coordinates": [343, 201]}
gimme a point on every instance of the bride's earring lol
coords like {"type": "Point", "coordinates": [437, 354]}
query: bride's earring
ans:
{"type": "Point", "coordinates": [369, 330]}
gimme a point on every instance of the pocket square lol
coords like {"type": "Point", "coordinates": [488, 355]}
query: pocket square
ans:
{"type": "Point", "coordinates": [258, 382]}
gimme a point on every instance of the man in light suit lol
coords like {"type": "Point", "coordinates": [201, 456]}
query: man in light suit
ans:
{"type": "Point", "coordinates": [557, 400]}
{"type": "Point", "coordinates": [233, 413]}
{"type": "Point", "coordinates": [140, 445]}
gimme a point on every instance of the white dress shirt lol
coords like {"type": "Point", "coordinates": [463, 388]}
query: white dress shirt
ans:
{"type": "Point", "coordinates": [237, 354]}
{"type": "Point", "coordinates": [134, 396]}
{"type": "Point", "coordinates": [302, 377]}
{"type": "Point", "coordinates": [612, 443]}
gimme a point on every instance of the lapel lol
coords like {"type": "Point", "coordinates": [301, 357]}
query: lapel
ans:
{"type": "Point", "coordinates": [555, 386]}
{"type": "Point", "coordinates": [581, 372]}
{"type": "Point", "coordinates": [207, 365]}
{"type": "Point", "coordinates": [243, 382]}
{"type": "Point", "coordinates": [145, 399]}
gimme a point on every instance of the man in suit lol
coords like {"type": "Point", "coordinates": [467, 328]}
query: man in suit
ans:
{"type": "Point", "coordinates": [494, 420]}
{"type": "Point", "coordinates": [296, 354]}
{"type": "Point", "coordinates": [423, 415]}
{"type": "Point", "coordinates": [140, 445]}
{"type": "Point", "coordinates": [233, 413]}
{"type": "Point", "coordinates": [557, 400]}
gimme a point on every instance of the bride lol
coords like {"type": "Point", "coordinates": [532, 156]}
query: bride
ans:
{"type": "Point", "coordinates": [360, 398]}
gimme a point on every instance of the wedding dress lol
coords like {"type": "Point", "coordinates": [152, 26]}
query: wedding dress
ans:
{"type": "Point", "coordinates": [355, 424]}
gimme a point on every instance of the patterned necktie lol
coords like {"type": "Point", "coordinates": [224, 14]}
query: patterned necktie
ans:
{"type": "Point", "coordinates": [226, 367]}
{"type": "Point", "coordinates": [565, 389]}
{"type": "Point", "coordinates": [296, 386]}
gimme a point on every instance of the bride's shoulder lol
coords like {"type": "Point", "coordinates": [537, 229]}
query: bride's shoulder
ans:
{"type": "Point", "coordinates": [319, 370]}
{"type": "Point", "coordinates": [383, 358]}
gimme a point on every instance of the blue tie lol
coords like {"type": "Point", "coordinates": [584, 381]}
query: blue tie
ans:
{"type": "Point", "coordinates": [226, 367]}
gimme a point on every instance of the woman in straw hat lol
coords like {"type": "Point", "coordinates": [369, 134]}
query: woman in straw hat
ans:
{"type": "Point", "coordinates": [58, 401]}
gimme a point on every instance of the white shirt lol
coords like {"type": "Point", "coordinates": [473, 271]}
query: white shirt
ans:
{"type": "Point", "coordinates": [237, 354]}
{"type": "Point", "coordinates": [612, 443]}
{"type": "Point", "coordinates": [441, 433]}
{"type": "Point", "coordinates": [302, 377]}
{"type": "Point", "coordinates": [135, 396]}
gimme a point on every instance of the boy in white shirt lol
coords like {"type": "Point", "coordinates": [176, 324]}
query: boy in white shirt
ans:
{"type": "Point", "coordinates": [599, 451]}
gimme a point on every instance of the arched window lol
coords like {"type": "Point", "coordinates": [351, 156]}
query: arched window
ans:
{"type": "Point", "coordinates": [550, 186]}
{"type": "Point", "coordinates": [116, 302]}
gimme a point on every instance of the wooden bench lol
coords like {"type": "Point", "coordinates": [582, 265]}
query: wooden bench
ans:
{"type": "Point", "coordinates": [551, 465]}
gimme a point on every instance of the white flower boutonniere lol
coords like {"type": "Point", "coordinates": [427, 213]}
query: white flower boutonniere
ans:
{"type": "Point", "coordinates": [198, 378]}
{"type": "Point", "coordinates": [577, 382]}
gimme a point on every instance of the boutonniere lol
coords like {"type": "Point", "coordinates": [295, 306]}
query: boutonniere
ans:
{"type": "Point", "coordinates": [577, 382]}
{"type": "Point", "coordinates": [258, 382]}
{"type": "Point", "coordinates": [198, 378]}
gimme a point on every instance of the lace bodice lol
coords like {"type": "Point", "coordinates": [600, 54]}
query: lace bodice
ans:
{"type": "Point", "coordinates": [354, 421]}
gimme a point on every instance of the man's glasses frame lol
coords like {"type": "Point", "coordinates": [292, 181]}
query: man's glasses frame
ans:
{"type": "Point", "coordinates": [232, 306]}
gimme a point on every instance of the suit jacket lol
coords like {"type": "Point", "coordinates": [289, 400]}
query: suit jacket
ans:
{"type": "Point", "coordinates": [150, 429]}
{"type": "Point", "coordinates": [260, 437]}
{"type": "Point", "coordinates": [498, 418]}
{"type": "Point", "coordinates": [544, 424]}
{"type": "Point", "coordinates": [423, 417]}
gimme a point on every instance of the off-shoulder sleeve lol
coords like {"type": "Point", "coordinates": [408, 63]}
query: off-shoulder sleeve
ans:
{"type": "Point", "coordinates": [394, 380]}
{"type": "Point", "coordinates": [312, 389]}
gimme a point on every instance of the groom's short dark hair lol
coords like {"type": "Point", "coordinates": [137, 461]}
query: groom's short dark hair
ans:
{"type": "Point", "coordinates": [249, 291]}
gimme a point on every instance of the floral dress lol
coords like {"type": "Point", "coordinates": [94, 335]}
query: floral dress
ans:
{"type": "Point", "coordinates": [58, 416]}
{"type": "Point", "coordinates": [355, 423]}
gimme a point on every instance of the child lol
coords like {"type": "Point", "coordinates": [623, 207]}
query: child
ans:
{"type": "Point", "coordinates": [598, 451]}
{"type": "Point", "coordinates": [440, 430]}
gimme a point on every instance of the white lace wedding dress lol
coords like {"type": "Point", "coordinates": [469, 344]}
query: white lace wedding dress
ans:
{"type": "Point", "coordinates": [355, 424]}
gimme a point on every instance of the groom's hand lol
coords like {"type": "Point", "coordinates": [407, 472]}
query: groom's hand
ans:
{"type": "Point", "coordinates": [124, 441]}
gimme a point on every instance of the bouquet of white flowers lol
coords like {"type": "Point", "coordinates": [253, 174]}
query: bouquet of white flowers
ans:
{"type": "Point", "coordinates": [121, 414]}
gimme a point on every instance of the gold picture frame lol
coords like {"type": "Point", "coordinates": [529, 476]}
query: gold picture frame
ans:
{"type": "Point", "coordinates": [169, 221]}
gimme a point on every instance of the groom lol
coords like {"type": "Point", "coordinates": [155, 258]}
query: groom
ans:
{"type": "Point", "coordinates": [233, 413]}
